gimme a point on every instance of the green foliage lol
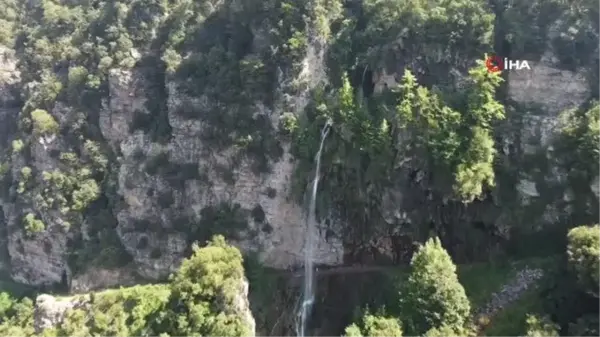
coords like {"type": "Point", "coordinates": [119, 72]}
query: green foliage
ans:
{"type": "Point", "coordinates": [26, 173]}
{"type": "Point", "coordinates": [577, 144]}
{"type": "Point", "coordinates": [433, 296]}
{"type": "Point", "coordinates": [43, 123]}
{"type": "Point", "coordinates": [540, 327]}
{"type": "Point", "coordinates": [204, 293]}
{"type": "Point", "coordinates": [526, 25]}
{"type": "Point", "coordinates": [358, 152]}
{"type": "Point", "coordinates": [71, 190]}
{"type": "Point", "coordinates": [436, 126]}
{"type": "Point", "coordinates": [86, 192]}
{"type": "Point", "coordinates": [439, 33]}
{"type": "Point", "coordinates": [202, 298]}
{"type": "Point", "coordinates": [459, 142]}
{"type": "Point", "coordinates": [6, 302]}
{"type": "Point", "coordinates": [18, 319]}
{"type": "Point", "coordinates": [33, 225]}
{"type": "Point", "coordinates": [124, 312]}
{"type": "Point", "coordinates": [452, 143]}
{"type": "Point", "coordinates": [288, 123]}
{"type": "Point", "coordinates": [8, 19]}
{"type": "Point", "coordinates": [4, 169]}
{"type": "Point", "coordinates": [25, 176]}
{"type": "Point", "coordinates": [583, 252]}
{"type": "Point", "coordinates": [97, 157]}
{"type": "Point", "coordinates": [172, 60]}
{"type": "Point", "coordinates": [76, 81]}
{"type": "Point", "coordinates": [445, 331]}
{"type": "Point", "coordinates": [376, 326]}
{"type": "Point", "coordinates": [17, 146]}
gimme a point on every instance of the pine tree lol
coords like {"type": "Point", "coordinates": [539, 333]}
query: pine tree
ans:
{"type": "Point", "coordinates": [433, 296]}
{"type": "Point", "coordinates": [583, 252]}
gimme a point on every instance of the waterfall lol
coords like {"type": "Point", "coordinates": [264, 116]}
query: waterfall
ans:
{"type": "Point", "coordinates": [309, 281]}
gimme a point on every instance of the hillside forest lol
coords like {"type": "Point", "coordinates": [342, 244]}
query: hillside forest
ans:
{"type": "Point", "coordinates": [157, 159]}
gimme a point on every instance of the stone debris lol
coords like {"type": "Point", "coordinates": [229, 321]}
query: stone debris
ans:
{"type": "Point", "coordinates": [509, 293]}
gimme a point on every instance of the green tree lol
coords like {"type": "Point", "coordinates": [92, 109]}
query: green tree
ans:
{"type": "Point", "coordinates": [583, 252]}
{"type": "Point", "coordinates": [455, 143]}
{"type": "Point", "coordinates": [540, 327]}
{"type": "Point", "coordinates": [578, 141]}
{"type": "Point", "coordinates": [18, 320]}
{"type": "Point", "coordinates": [376, 326]}
{"type": "Point", "coordinates": [475, 168]}
{"type": "Point", "coordinates": [43, 123]}
{"type": "Point", "coordinates": [33, 225]}
{"type": "Point", "coordinates": [205, 294]}
{"type": "Point", "coordinates": [433, 296]}
{"type": "Point", "coordinates": [438, 31]}
{"type": "Point", "coordinates": [86, 192]}
{"type": "Point", "coordinates": [445, 331]}
{"type": "Point", "coordinates": [6, 302]}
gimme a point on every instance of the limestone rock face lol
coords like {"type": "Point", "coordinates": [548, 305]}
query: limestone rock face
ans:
{"type": "Point", "coordinates": [152, 209]}
{"type": "Point", "coordinates": [38, 259]}
{"type": "Point", "coordinates": [50, 311]}
{"type": "Point", "coordinates": [554, 89]}
{"type": "Point", "coordinates": [242, 307]}
{"type": "Point", "coordinates": [278, 237]}
{"type": "Point", "coordinates": [35, 260]}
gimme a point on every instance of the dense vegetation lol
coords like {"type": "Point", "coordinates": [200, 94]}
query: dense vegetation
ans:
{"type": "Point", "coordinates": [433, 301]}
{"type": "Point", "coordinates": [201, 298]}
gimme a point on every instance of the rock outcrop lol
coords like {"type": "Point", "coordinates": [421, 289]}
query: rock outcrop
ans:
{"type": "Point", "coordinates": [154, 211]}
{"type": "Point", "coordinates": [50, 311]}
{"type": "Point", "coordinates": [280, 246]}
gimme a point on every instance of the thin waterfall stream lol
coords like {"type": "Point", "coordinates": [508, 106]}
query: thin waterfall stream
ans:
{"type": "Point", "coordinates": [309, 281]}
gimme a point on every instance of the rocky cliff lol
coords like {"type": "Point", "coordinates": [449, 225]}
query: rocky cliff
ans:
{"type": "Point", "coordinates": [162, 189]}
{"type": "Point", "coordinates": [160, 193]}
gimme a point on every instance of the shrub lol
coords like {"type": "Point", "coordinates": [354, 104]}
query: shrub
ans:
{"type": "Point", "coordinates": [25, 175]}
{"type": "Point", "coordinates": [87, 192]}
{"type": "Point", "coordinates": [43, 123]}
{"type": "Point", "coordinates": [288, 123]}
{"type": "Point", "coordinates": [4, 168]}
{"type": "Point", "coordinates": [194, 292]}
{"type": "Point", "coordinates": [376, 326]}
{"type": "Point", "coordinates": [17, 146]}
{"type": "Point", "coordinates": [583, 251]}
{"type": "Point", "coordinates": [69, 158]}
{"type": "Point", "coordinates": [76, 82]}
{"type": "Point", "coordinates": [33, 225]}
{"type": "Point", "coordinates": [540, 327]}
{"type": "Point", "coordinates": [93, 151]}
{"type": "Point", "coordinates": [172, 60]}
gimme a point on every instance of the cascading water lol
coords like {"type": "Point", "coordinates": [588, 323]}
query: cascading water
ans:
{"type": "Point", "coordinates": [309, 282]}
